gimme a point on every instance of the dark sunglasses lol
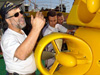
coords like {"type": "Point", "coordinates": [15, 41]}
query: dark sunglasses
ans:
{"type": "Point", "coordinates": [16, 14]}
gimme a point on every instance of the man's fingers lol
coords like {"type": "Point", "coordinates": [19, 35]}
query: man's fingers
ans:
{"type": "Point", "coordinates": [40, 15]}
{"type": "Point", "coordinates": [37, 14]}
{"type": "Point", "coordinates": [32, 18]}
{"type": "Point", "coordinates": [44, 20]}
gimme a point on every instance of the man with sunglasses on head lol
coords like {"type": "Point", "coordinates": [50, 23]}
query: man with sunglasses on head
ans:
{"type": "Point", "coordinates": [16, 46]}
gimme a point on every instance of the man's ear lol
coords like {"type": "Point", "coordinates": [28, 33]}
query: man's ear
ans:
{"type": "Point", "coordinates": [8, 21]}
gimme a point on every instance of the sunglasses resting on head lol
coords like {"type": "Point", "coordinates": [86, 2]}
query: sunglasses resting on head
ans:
{"type": "Point", "coordinates": [16, 14]}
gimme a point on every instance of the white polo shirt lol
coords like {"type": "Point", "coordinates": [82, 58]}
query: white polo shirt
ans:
{"type": "Point", "coordinates": [58, 28]}
{"type": "Point", "coordinates": [48, 30]}
{"type": "Point", "coordinates": [9, 43]}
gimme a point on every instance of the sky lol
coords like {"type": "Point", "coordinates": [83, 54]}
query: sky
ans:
{"type": "Point", "coordinates": [51, 4]}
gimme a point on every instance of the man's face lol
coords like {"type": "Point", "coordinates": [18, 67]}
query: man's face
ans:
{"type": "Point", "coordinates": [52, 21]}
{"type": "Point", "coordinates": [17, 22]}
{"type": "Point", "coordinates": [60, 19]}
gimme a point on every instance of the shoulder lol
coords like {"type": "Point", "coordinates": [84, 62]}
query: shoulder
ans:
{"type": "Point", "coordinates": [46, 31]}
{"type": "Point", "coordinates": [8, 36]}
{"type": "Point", "coordinates": [58, 26]}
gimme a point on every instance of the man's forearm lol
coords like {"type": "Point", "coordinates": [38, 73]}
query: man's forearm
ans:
{"type": "Point", "coordinates": [26, 48]}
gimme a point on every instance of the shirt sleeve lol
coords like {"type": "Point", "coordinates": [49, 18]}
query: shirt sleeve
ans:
{"type": "Point", "coordinates": [10, 45]}
{"type": "Point", "coordinates": [61, 28]}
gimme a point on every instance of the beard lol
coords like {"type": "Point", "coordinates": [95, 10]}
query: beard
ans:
{"type": "Point", "coordinates": [20, 24]}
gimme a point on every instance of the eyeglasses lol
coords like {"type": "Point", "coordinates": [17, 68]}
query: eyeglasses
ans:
{"type": "Point", "coordinates": [16, 14]}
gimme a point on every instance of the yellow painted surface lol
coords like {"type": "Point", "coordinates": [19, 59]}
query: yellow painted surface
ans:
{"type": "Point", "coordinates": [81, 16]}
{"type": "Point", "coordinates": [86, 13]}
{"type": "Point", "coordinates": [83, 57]}
{"type": "Point", "coordinates": [92, 37]}
{"type": "Point", "coordinates": [93, 5]}
{"type": "Point", "coordinates": [43, 12]}
{"type": "Point", "coordinates": [79, 57]}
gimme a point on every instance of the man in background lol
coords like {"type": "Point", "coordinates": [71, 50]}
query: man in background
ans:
{"type": "Point", "coordinates": [51, 27]}
{"type": "Point", "coordinates": [60, 18]}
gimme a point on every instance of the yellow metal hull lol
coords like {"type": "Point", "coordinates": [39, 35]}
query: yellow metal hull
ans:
{"type": "Point", "coordinates": [84, 46]}
{"type": "Point", "coordinates": [92, 37]}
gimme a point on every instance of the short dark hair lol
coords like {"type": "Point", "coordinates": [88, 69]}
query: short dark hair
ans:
{"type": "Point", "coordinates": [51, 13]}
{"type": "Point", "coordinates": [59, 14]}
